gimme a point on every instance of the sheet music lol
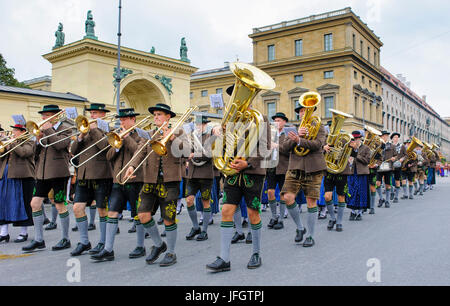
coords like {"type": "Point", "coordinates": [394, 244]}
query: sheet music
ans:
{"type": "Point", "coordinates": [71, 113]}
{"type": "Point", "coordinates": [142, 133]}
{"type": "Point", "coordinates": [19, 119]}
{"type": "Point", "coordinates": [103, 125]}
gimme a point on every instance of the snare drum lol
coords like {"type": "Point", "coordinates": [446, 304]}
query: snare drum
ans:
{"type": "Point", "coordinates": [385, 167]}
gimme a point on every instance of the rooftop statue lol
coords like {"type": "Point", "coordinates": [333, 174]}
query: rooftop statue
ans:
{"type": "Point", "coordinates": [89, 26]}
{"type": "Point", "coordinates": [59, 37]}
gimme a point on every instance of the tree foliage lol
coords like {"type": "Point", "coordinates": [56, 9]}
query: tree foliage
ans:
{"type": "Point", "coordinates": [7, 75]}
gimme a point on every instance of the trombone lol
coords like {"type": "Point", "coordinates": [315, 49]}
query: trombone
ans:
{"type": "Point", "coordinates": [82, 124]}
{"type": "Point", "coordinates": [4, 144]}
{"type": "Point", "coordinates": [114, 139]}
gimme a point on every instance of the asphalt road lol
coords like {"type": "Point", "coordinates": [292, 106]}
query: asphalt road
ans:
{"type": "Point", "coordinates": [407, 244]}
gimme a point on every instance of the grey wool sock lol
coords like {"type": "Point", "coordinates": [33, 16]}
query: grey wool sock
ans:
{"type": "Point", "coordinates": [171, 232]}
{"type": "Point", "coordinates": [256, 237]}
{"type": "Point", "coordinates": [312, 217]}
{"type": "Point", "coordinates": [140, 233]}
{"type": "Point", "coordinates": [273, 208]}
{"type": "Point", "coordinates": [111, 230]}
{"type": "Point", "coordinates": [151, 228]}
{"type": "Point", "coordinates": [226, 235]}
{"type": "Point", "coordinates": [206, 217]}
{"type": "Point", "coordinates": [330, 208]}
{"type": "Point", "coordinates": [380, 194]}
{"type": "Point", "coordinates": [193, 215]}
{"type": "Point", "coordinates": [295, 215]}
{"type": "Point", "coordinates": [237, 217]}
{"type": "Point", "coordinates": [388, 195]}
{"type": "Point", "coordinates": [373, 196]}
{"type": "Point", "coordinates": [54, 213]}
{"type": "Point", "coordinates": [92, 212]}
{"type": "Point", "coordinates": [65, 223]}
{"type": "Point", "coordinates": [282, 209]}
{"type": "Point", "coordinates": [82, 225]}
{"type": "Point", "coordinates": [340, 215]}
{"type": "Point", "coordinates": [38, 220]}
{"type": "Point", "coordinates": [103, 229]}
{"type": "Point", "coordinates": [410, 190]}
{"type": "Point", "coordinates": [405, 190]}
{"type": "Point", "coordinates": [397, 190]}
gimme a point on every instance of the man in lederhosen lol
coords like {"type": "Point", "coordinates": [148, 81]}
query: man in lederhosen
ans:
{"type": "Point", "coordinates": [276, 176]}
{"type": "Point", "coordinates": [52, 172]}
{"type": "Point", "coordinates": [401, 156]}
{"type": "Point", "coordinates": [94, 181]}
{"type": "Point", "coordinates": [120, 193]}
{"type": "Point", "coordinates": [388, 155]}
{"type": "Point", "coordinates": [162, 177]}
{"type": "Point", "coordinates": [200, 178]}
{"type": "Point", "coordinates": [431, 179]}
{"type": "Point", "coordinates": [304, 173]}
{"type": "Point", "coordinates": [421, 173]}
{"type": "Point", "coordinates": [409, 173]}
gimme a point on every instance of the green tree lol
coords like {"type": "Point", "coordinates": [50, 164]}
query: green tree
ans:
{"type": "Point", "coordinates": [7, 75]}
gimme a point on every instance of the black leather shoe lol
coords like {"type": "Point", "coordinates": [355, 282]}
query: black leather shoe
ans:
{"type": "Point", "coordinates": [272, 222]}
{"type": "Point", "coordinates": [331, 224]}
{"type": "Point", "coordinates": [219, 265]}
{"type": "Point", "coordinates": [155, 253]}
{"type": "Point", "coordinates": [118, 231]}
{"type": "Point", "coordinates": [193, 233]}
{"type": "Point", "coordinates": [51, 226]}
{"type": "Point", "coordinates": [200, 222]}
{"type": "Point", "coordinates": [372, 211]}
{"type": "Point", "coordinates": [34, 245]}
{"type": "Point", "coordinates": [339, 228]}
{"type": "Point", "coordinates": [411, 197]}
{"type": "Point", "coordinates": [5, 238]}
{"type": "Point", "coordinates": [91, 227]}
{"type": "Point", "coordinates": [211, 222]}
{"type": "Point", "coordinates": [104, 255]}
{"type": "Point", "coordinates": [80, 249]}
{"type": "Point", "coordinates": [168, 260]}
{"type": "Point", "coordinates": [75, 228]}
{"type": "Point", "coordinates": [202, 237]}
{"type": "Point", "coordinates": [255, 261]}
{"type": "Point", "coordinates": [61, 245]}
{"type": "Point", "coordinates": [249, 239]}
{"type": "Point", "coordinates": [21, 238]}
{"type": "Point", "coordinates": [358, 217]}
{"type": "Point", "coordinates": [404, 197]}
{"type": "Point", "coordinates": [137, 252]}
{"type": "Point", "coordinates": [160, 221]}
{"type": "Point", "coordinates": [416, 192]}
{"type": "Point", "coordinates": [380, 202]}
{"type": "Point", "coordinates": [395, 200]}
{"type": "Point", "coordinates": [392, 196]}
{"type": "Point", "coordinates": [244, 224]}
{"type": "Point", "coordinates": [299, 235]}
{"type": "Point", "coordinates": [279, 225]}
{"type": "Point", "coordinates": [46, 221]}
{"type": "Point", "coordinates": [163, 234]}
{"type": "Point", "coordinates": [237, 237]}
{"type": "Point", "coordinates": [132, 229]}
{"type": "Point", "coordinates": [309, 242]}
{"type": "Point", "coordinates": [98, 248]}
{"type": "Point", "coordinates": [352, 217]}
{"type": "Point", "coordinates": [387, 204]}
{"type": "Point", "coordinates": [147, 235]}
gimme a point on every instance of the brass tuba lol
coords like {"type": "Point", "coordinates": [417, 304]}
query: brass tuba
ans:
{"type": "Point", "coordinates": [374, 142]}
{"type": "Point", "coordinates": [339, 142]}
{"type": "Point", "coordinates": [410, 151]}
{"type": "Point", "coordinates": [427, 148]}
{"type": "Point", "coordinates": [249, 82]}
{"type": "Point", "coordinates": [309, 100]}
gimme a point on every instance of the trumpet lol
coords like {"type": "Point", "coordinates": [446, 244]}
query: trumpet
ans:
{"type": "Point", "coordinates": [114, 139]}
{"type": "Point", "coordinates": [310, 101]}
{"type": "Point", "coordinates": [35, 128]}
{"type": "Point", "coordinates": [82, 124]}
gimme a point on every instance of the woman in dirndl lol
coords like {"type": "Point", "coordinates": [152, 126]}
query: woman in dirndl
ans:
{"type": "Point", "coordinates": [358, 181]}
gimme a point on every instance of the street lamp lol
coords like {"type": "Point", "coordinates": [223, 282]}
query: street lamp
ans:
{"type": "Point", "coordinates": [118, 74]}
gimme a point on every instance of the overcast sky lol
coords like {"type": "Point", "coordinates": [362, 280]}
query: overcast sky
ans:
{"type": "Point", "coordinates": [416, 34]}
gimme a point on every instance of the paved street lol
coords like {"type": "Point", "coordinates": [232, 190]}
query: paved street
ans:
{"type": "Point", "coordinates": [410, 241]}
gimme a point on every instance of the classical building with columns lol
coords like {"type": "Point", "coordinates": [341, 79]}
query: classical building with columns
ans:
{"type": "Point", "coordinates": [409, 114]}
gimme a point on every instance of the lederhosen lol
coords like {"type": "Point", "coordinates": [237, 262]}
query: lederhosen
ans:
{"type": "Point", "coordinates": [388, 152]}
{"type": "Point", "coordinates": [339, 181]}
{"type": "Point", "coordinates": [401, 152]}
{"type": "Point", "coordinates": [94, 178]}
{"type": "Point", "coordinates": [120, 194]}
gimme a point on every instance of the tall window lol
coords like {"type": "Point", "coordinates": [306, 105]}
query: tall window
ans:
{"type": "Point", "coordinates": [271, 52]}
{"type": "Point", "coordinates": [356, 106]}
{"type": "Point", "coordinates": [299, 47]}
{"type": "Point", "coordinates": [219, 90]}
{"type": "Point", "coordinates": [361, 47]}
{"type": "Point", "coordinates": [298, 78]}
{"type": "Point", "coordinates": [354, 42]}
{"type": "Point", "coordinates": [368, 54]}
{"type": "Point", "coordinates": [328, 74]}
{"type": "Point", "coordinates": [375, 58]}
{"type": "Point", "coordinates": [271, 109]}
{"type": "Point", "coordinates": [328, 42]}
{"type": "Point", "coordinates": [191, 95]}
{"type": "Point", "coordinates": [204, 93]}
{"type": "Point", "coordinates": [329, 103]}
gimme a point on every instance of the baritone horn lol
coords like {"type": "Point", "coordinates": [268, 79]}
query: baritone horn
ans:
{"type": "Point", "coordinates": [374, 142]}
{"type": "Point", "coordinates": [309, 100]}
{"type": "Point", "coordinates": [337, 158]}
{"type": "Point", "coordinates": [411, 155]}
{"type": "Point", "coordinates": [249, 82]}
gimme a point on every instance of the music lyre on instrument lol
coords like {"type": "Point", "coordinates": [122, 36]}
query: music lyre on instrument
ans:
{"type": "Point", "coordinates": [249, 82]}
{"type": "Point", "coordinates": [309, 100]}
{"type": "Point", "coordinates": [339, 142]}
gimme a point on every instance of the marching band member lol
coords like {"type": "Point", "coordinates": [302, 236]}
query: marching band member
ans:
{"type": "Point", "coordinates": [120, 194]}
{"type": "Point", "coordinates": [17, 170]}
{"type": "Point", "coordinates": [409, 174]}
{"type": "Point", "coordinates": [161, 189]}
{"type": "Point", "coordinates": [431, 180]}
{"type": "Point", "coordinates": [52, 172]}
{"type": "Point", "coordinates": [276, 176]}
{"type": "Point", "coordinates": [389, 156]}
{"type": "Point", "coordinates": [199, 178]}
{"type": "Point", "coordinates": [358, 183]}
{"type": "Point", "coordinates": [248, 182]}
{"type": "Point", "coordinates": [421, 172]}
{"type": "Point", "coordinates": [94, 181]}
{"type": "Point", "coordinates": [304, 173]}
{"type": "Point", "coordinates": [401, 156]}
